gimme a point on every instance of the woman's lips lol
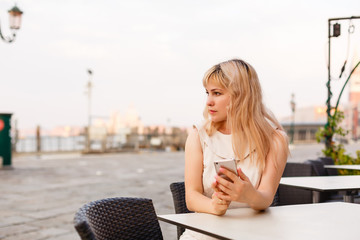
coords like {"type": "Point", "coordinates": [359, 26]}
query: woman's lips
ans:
{"type": "Point", "coordinates": [212, 111]}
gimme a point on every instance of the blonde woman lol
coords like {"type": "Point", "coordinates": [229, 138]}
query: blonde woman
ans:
{"type": "Point", "coordinates": [237, 126]}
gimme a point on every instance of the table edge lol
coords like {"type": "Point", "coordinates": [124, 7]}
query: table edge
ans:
{"type": "Point", "coordinates": [161, 218]}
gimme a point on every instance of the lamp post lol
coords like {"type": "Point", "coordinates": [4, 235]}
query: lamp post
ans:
{"type": "Point", "coordinates": [88, 92]}
{"type": "Point", "coordinates": [292, 126]}
{"type": "Point", "coordinates": [89, 86]}
{"type": "Point", "coordinates": [14, 22]}
{"type": "Point", "coordinates": [335, 33]}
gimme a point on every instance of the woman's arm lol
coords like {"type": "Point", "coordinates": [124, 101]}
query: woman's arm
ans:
{"type": "Point", "coordinates": [243, 191]}
{"type": "Point", "coordinates": [195, 199]}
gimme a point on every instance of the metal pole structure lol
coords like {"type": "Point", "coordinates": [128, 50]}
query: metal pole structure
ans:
{"type": "Point", "coordinates": [89, 86]}
{"type": "Point", "coordinates": [292, 126]}
{"type": "Point", "coordinates": [328, 138]}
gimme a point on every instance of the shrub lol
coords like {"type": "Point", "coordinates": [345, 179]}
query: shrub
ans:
{"type": "Point", "coordinates": [336, 150]}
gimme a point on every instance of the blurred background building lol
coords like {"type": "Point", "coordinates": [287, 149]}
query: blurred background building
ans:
{"type": "Point", "coordinates": [306, 121]}
{"type": "Point", "coordinates": [352, 110]}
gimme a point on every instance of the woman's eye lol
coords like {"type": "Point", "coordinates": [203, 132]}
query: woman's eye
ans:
{"type": "Point", "coordinates": [207, 93]}
{"type": "Point", "coordinates": [217, 93]}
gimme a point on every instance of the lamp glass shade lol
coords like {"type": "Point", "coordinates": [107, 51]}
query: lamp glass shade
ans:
{"type": "Point", "coordinates": [15, 18]}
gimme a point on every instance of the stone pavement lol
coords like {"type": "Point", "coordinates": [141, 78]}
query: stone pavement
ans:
{"type": "Point", "coordinates": [38, 199]}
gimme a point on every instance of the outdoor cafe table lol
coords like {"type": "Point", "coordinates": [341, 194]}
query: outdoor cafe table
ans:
{"type": "Point", "coordinates": [336, 220]}
{"type": "Point", "coordinates": [347, 167]}
{"type": "Point", "coordinates": [345, 185]}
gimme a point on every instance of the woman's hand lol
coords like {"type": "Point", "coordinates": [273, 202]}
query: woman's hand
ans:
{"type": "Point", "coordinates": [239, 190]}
{"type": "Point", "coordinates": [219, 204]}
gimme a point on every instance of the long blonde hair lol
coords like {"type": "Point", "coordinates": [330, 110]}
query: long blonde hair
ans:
{"type": "Point", "coordinates": [247, 117]}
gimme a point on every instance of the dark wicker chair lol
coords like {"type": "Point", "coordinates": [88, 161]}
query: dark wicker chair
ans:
{"type": "Point", "coordinates": [319, 170]}
{"type": "Point", "coordinates": [329, 161]}
{"type": "Point", "coordinates": [318, 167]}
{"type": "Point", "coordinates": [118, 218]}
{"type": "Point", "coordinates": [276, 200]}
{"type": "Point", "coordinates": [178, 194]}
{"type": "Point", "coordinates": [290, 195]}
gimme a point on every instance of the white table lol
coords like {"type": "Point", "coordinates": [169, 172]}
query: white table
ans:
{"type": "Point", "coordinates": [347, 167]}
{"type": "Point", "coordinates": [337, 220]}
{"type": "Point", "coordinates": [346, 185]}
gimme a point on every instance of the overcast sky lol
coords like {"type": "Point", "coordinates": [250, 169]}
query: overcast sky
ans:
{"type": "Point", "coordinates": [153, 54]}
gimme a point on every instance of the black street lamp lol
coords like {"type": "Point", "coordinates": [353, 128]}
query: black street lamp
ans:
{"type": "Point", "coordinates": [14, 22]}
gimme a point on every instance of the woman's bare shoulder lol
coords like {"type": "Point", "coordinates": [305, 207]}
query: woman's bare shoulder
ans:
{"type": "Point", "coordinates": [193, 135]}
{"type": "Point", "coordinates": [193, 140]}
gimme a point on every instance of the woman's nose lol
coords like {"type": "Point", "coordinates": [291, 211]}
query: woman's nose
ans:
{"type": "Point", "coordinates": [209, 101]}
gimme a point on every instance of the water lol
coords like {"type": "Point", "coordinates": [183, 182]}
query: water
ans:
{"type": "Point", "coordinates": [52, 144]}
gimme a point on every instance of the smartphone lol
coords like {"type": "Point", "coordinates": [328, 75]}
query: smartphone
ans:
{"type": "Point", "coordinates": [229, 164]}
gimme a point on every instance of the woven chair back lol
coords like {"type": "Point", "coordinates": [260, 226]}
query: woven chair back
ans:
{"type": "Point", "coordinates": [118, 218]}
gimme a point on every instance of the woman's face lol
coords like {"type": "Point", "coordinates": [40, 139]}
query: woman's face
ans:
{"type": "Point", "coordinates": [217, 101]}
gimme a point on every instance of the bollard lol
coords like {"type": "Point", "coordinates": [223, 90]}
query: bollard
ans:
{"type": "Point", "coordinates": [38, 139]}
{"type": "Point", "coordinates": [5, 140]}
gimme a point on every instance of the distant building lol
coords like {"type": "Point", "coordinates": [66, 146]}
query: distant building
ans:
{"type": "Point", "coordinates": [307, 121]}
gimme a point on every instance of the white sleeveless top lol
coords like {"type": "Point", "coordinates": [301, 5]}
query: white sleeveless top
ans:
{"type": "Point", "coordinates": [218, 147]}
